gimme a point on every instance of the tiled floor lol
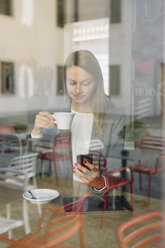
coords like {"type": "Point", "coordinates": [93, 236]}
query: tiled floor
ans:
{"type": "Point", "coordinates": [94, 236]}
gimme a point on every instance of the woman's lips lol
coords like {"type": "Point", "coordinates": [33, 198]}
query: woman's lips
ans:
{"type": "Point", "coordinates": [78, 96]}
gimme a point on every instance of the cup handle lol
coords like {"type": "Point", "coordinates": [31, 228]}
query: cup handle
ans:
{"type": "Point", "coordinates": [55, 122]}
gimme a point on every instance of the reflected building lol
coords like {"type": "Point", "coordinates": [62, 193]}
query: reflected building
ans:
{"type": "Point", "coordinates": [127, 38]}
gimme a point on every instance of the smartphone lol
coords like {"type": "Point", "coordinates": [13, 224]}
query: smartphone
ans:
{"type": "Point", "coordinates": [82, 157]}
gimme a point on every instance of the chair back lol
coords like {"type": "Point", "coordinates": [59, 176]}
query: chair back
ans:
{"type": "Point", "coordinates": [96, 144]}
{"type": "Point", "coordinates": [77, 205]}
{"type": "Point", "coordinates": [18, 173]}
{"type": "Point", "coordinates": [62, 226]}
{"type": "Point", "coordinates": [149, 232]}
{"type": "Point", "coordinates": [6, 129]}
{"type": "Point", "coordinates": [2, 136]}
{"type": "Point", "coordinates": [25, 163]}
{"type": "Point", "coordinates": [152, 142]}
{"type": "Point", "coordinates": [159, 165]}
{"type": "Point", "coordinates": [62, 140]}
{"type": "Point", "coordinates": [12, 144]}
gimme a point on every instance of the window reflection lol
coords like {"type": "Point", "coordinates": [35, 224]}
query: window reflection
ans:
{"type": "Point", "coordinates": [6, 7]}
{"type": "Point", "coordinates": [25, 81]}
{"type": "Point", "coordinates": [127, 38]}
{"type": "Point", "coordinates": [27, 12]}
{"type": "Point", "coordinates": [7, 85]}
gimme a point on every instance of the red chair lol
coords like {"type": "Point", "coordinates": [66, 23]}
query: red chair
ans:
{"type": "Point", "coordinates": [150, 143]}
{"type": "Point", "coordinates": [148, 228]}
{"type": "Point", "coordinates": [6, 129]}
{"type": "Point", "coordinates": [59, 228]}
{"type": "Point", "coordinates": [114, 182]}
{"type": "Point", "coordinates": [62, 141]}
{"type": "Point", "coordinates": [11, 144]}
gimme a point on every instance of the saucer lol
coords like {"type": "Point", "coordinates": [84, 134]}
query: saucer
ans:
{"type": "Point", "coordinates": [42, 196]}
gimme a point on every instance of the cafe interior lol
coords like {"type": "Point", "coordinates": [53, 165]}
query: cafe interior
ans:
{"type": "Point", "coordinates": [41, 203]}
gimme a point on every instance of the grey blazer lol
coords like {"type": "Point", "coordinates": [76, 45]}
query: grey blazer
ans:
{"type": "Point", "coordinates": [112, 127]}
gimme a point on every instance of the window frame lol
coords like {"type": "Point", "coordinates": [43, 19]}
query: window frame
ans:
{"type": "Point", "coordinates": [60, 81]}
{"type": "Point", "coordinates": [113, 18]}
{"type": "Point", "coordinates": [3, 78]}
{"type": "Point", "coordinates": [112, 91]}
{"type": "Point", "coordinates": [60, 13]}
{"type": "Point", "coordinates": [10, 8]}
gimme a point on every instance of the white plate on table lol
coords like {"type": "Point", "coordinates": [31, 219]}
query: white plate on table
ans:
{"type": "Point", "coordinates": [42, 196]}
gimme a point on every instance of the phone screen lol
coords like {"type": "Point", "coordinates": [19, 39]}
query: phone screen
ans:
{"type": "Point", "coordinates": [82, 157]}
{"type": "Point", "coordinates": [92, 158]}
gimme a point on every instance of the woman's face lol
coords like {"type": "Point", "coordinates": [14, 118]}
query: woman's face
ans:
{"type": "Point", "coordinates": [80, 85]}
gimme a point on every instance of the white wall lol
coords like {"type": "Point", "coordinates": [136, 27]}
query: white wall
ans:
{"type": "Point", "coordinates": [31, 40]}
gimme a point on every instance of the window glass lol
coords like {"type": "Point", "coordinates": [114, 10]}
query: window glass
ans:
{"type": "Point", "coordinates": [115, 89]}
{"type": "Point", "coordinates": [60, 80]}
{"type": "Point", "coordinates": [60, 13]}
{"type": "Point", "coordinates": [7, 78]}
{"type": "Point", "coordinates": [114, 80]}
{"type": "Point", "coordinates": [5, 7]}
{"type": "Point", "coordinates": [115, 16]}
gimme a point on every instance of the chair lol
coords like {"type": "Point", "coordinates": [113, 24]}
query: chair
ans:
{"type": "Point", "coordinates": [96, 144]}
{"type": "Point", "coordinates": [148, 228]}
{"type": "Point", "coordinates": [150, 143]}
{"type": "Point", "coordinates": [7, 224]}
{"type": "Point", "coordinates": [114, 182]}
{"type": "Point", "coordinates": [59, 228]}
{"type": "Point", "coordinates": [2, 136]}
{"type": "Point", "coordinates": [11, 145]}
{"type": "Point", "coordinates": [25, 164]}
{"type": "Point", "coordinates": [16, 179]}
{"type": "Point", "coordinates": [6, 129]}
{"type": "Point", "coordinates": [57, 153]}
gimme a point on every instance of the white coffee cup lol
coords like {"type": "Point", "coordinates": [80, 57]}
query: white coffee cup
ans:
{"type": "Point", "coordinates": [63, 119]}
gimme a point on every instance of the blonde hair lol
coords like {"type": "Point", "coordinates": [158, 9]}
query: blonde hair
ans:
{"type": "Point", "coordinates": [87, 61]}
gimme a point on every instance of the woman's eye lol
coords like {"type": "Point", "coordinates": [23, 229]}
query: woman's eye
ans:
{"type": "Point", "coordinates": [86, 83]}
{"type": "Point", "coordinates": [72, 83]}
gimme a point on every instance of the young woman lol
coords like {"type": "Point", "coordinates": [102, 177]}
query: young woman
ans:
{"type": "Point", "coordinates": [95, 120]}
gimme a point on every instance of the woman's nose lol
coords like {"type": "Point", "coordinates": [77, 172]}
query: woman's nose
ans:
{"type": "Point", "coordinates": [78, 89]}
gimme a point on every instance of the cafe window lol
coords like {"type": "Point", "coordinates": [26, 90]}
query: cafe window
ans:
{"type": "Point", "coordinates": [115, 11]}
{"type": "Point", "coordinates": [7, 78]}
{"type": "Point", "coordinates": [114, 80]}
{"type": "Point", "coordinates": [60, 13]}
{"type": "Point", "coordinates": [60, 80]}
{"type": "Point", "coordinates": [162, 89]}
{"type": "Point", "coordinates": [5, 7]}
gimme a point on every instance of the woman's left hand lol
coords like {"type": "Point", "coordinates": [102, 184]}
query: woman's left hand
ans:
{"type": "Point", "coordinates": [89, 176]}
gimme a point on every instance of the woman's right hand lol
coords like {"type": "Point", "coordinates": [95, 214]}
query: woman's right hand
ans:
{"type": "Point", "coordinates": [43, 120]}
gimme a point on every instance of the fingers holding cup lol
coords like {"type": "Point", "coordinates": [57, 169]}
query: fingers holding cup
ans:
{"type": "Point", "coordinates": [43, 120]}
